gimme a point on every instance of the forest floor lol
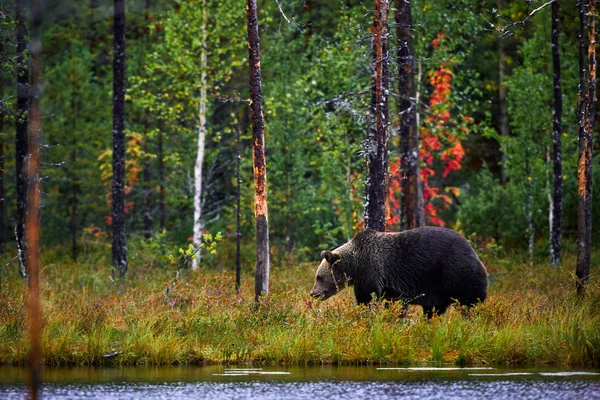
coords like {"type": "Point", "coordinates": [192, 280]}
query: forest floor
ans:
{"type": "Point", "coordinates": [531, 317]}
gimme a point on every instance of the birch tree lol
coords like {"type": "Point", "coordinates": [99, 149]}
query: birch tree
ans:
{"type": "Point", "coordinates": [556, 198]}
{"type": "Point", "coordinates": [197, 238]}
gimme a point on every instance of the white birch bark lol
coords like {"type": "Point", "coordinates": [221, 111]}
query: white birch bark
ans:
{"type": "Point", "coordinates": [197, 238]}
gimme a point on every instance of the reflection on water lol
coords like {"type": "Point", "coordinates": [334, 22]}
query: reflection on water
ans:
{"type": "Point", "coordinates": [305, 383]}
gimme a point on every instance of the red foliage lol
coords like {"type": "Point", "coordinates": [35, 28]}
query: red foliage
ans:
{"type": "Point", "coordinates": [440, 145]}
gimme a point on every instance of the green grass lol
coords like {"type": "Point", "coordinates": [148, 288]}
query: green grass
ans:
{"type": "Point", "coordinates": [531, 317]}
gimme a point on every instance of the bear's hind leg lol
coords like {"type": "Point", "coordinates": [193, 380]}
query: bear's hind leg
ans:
{"type": "Point", "coordinates": [438, 309]}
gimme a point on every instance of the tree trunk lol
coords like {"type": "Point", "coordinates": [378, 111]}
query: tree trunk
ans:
{"type": "Point", "coordinates": [502, 95]}
{"type": "Point", "coordinates": [197, 238]}
{"type": "Point", "coordinates": [119, 244]}
{"type": "Point", "coordinates": [74, 199]}
{"type": "Point", "coordinates": [377, 153]}
{"type": "Point", "coordinates": [2, 198]}
{"type": "Point", "coordinates": [556, 203]}
{"type": "Point", "coordinates": [93, 37]}
{"type": "Point", "coordinates": [21, 147]}
{"type": "Point", "coordinates": [147, 206]}
{"type": "Point", "coordinates": [584, 170]}
{"type": "Point", "coordinates": [238, 217]}
{"type": "Point", "coordinates": [161, 179]}
{"type": "Point", "coordinates": [74, 177]}
{"type": "Point", "coordinates": [261, 284]}
{"type": "Point", "coordinates": [411, 202]}
{"type": "Point", "coordinates": [529, 208]}
{"type": "Point", "coordinates": [308, 25]}
{"type": "Point", "coordinates": [32, 215]}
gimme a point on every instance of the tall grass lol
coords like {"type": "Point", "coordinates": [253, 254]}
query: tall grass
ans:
{"type": "Point", "coordinates": [532, 316]}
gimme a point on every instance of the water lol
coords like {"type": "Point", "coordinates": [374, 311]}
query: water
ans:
{"type": "Point", "coordinates": [216, 383]}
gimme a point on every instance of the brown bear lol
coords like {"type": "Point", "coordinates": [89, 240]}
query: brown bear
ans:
{"type": "Point", "coordinates": [430, 266]}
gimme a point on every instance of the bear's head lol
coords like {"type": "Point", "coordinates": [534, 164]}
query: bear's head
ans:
{"type": "Point", "coordinates": [329, 280]}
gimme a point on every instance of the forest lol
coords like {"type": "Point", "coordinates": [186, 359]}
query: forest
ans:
{"type": "Point", "coordinates": [176, 156]}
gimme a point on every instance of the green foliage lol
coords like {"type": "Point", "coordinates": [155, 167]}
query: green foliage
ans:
{"type": "Point", "coordinates": [493, 210]}
{"type": "Point", "coordinates": [316, 80]}
{"type": "Point", "coordinates": [207, 246]}
{"type": "Point", "coordinates": [76, 106]}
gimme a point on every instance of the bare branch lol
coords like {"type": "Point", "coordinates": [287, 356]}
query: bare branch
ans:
{"type": "Point", "coordinates": [505, 30]}
{"type": "Point", "coordinates": [281, 11]}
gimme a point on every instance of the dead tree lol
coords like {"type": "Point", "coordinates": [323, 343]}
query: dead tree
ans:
{"type": "Point", "coordinates": [261, 283]}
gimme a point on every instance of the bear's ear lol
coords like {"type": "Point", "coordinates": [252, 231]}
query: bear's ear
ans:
{"type": "Point", "coordinates": [330, 256]}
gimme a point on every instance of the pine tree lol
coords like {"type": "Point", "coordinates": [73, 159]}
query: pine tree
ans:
{"type": "Point", "coordinates": [377, 155]}
{"type": "Point", "coordinates": [586, 127]}
{"type": "Point", "coordinates": [119, 243]}
{"type": "Point", "coordinates": [147, 202]}
{"type": "Point", "coordinates": [411, 201]}
{"type": "Point", "coordinates": [21, 146]}
{"type": "Point", "coordinates": [32, 215]}
{"type": "Point", "coordinates": [261, 284]}
{"type": "Point", "coordinates": [2, 195]}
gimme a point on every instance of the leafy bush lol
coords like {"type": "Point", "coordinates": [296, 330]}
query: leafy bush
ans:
{"type": "Point", "coordinates": [490, 209]}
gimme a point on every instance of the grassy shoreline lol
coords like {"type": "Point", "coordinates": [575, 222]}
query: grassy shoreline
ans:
{"type": "Point", "coordinates": [532, 317]}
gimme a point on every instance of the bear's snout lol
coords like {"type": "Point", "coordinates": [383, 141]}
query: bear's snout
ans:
{"type": "Point", "coordinates": [321, 293]}
{"type": "Point", "coordinates": [317, 295]}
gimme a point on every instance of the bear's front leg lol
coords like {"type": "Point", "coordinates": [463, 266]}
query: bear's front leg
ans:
{"type": "Point", "coordinates": [364, 296]}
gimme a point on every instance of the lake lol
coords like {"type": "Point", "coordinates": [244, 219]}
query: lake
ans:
{"type": "Point", "coordinates": [218, 382]}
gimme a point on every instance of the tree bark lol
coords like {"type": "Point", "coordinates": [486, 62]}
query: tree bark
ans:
{"type": "Point", "coordinates": [21, 147]}
{"type": "Point", "coordinates": [93, 37]}
{"type": "Point", "coordinates": [308, 25]}
{"type": "Point", "coordinates": [147, 206]}
{"type": "Point", "coordinates": [238, 217]}
{"type": "Point", "coordinates": [32, 215]}
{"type": "Point", "coordinates": [74, 186]}
{"type": "Point", "coordinates": [377, 156]}
{"type": "Point", "coordinates": [197, 238]}
{"type": "Point", "coordinates": [161, 179]}
{"type": "Point", "coordinates": [411, 202]}
{"type": "Point", "coordinates": [2, 198]}
{"type": "Point", "coordinates": [119, 243]}
{"type": "Point", "coordinates": [556, 204]}
{"type": "Point", "coordinates": [529, 208]}
{"type": "Point", "coordinates": [74, 176]}
{"type": "Point", "coordinates": [584, 170]}
{"type": "Point", "coordinates": [502, 95]}
{"type": "Point", "coordinates": [261, 284]}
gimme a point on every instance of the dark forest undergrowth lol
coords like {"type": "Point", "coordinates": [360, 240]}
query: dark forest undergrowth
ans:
{"type": "Point", "coordinates": [531, 317]}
